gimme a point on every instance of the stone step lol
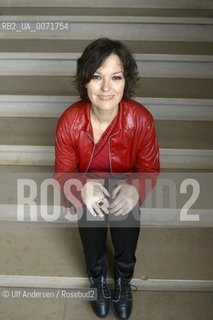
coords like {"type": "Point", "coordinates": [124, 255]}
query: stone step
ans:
{"type": "Point", "coordinates": [147, 87]}
{"type": "Point", "coordinates": [54, 283]}
{"type": "Point", "coordinates": [183, 144]}
{"type": "Point", "coordinates": [76, 46]}
{"type": "Point", "coordinates": [53, 106]}
{"type": "Point", "coordinates": [190, 159]}
{"type": "Point", "coordinates": [185, 134]}
{"type": "Point", "coordinates": [95, 11]}
{"type": "Point", "coordinates": [171, 4]}
{"type": "Point", "coordinates": [171, 134]}
{"type": "Point", "coordinates": [162, 253]}
{"type": "Point", "coordinates": [191, 29]}
{"type": "Point", "coordinates": [64, 64]}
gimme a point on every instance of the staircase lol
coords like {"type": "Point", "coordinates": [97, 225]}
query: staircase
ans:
{"type": "Point", "coordinates": [173, 45]}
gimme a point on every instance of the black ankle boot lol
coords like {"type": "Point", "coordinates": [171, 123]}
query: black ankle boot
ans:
{"type": "Point", "coordinates": [122, 299]}
{"type": "Point", "coordinates": [102, 304]}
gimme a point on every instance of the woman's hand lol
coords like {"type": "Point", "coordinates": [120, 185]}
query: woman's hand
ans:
{"type": "Point", "coordinates": [125, 199]}
{"type": "Point", "coordinates": [94, 196]}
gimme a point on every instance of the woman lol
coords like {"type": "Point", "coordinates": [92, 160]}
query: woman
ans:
{"type": "Point", "coordinates": [107, 136]}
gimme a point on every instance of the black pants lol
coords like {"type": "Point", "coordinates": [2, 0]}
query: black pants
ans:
{"type": "Point", "coordinates": [124, 232]}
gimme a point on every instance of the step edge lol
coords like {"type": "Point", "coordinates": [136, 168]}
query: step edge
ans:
{"type": "Point", "coordinates": [74, 56]}
{"type": "Point", "coordinates": [150, 217]}
{"type": "Point", "coordinates": [134, 3]}
{"type": "Point", "coordinates": [44, 156]}
{"type": "Point", "coordinates": [71, 282]}
{"type": "Point", "coordinates": [51, 98]}
{"type": "Point", "coordinates": [54, 106]}
{"type": "Point", "coordinates": [110, 19]}
{"type": "Point", "coordinates": [163, 151]}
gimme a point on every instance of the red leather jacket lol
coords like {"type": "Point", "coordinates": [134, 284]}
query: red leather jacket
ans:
{"type": "Point", "coordinates": [133, 146]}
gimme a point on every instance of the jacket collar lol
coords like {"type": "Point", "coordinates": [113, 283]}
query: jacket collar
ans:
{"type": "Point", "coordinates": [125, 118]}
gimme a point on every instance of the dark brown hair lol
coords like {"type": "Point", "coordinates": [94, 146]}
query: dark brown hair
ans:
{"type": "Point", "coordinates": [94, 56]}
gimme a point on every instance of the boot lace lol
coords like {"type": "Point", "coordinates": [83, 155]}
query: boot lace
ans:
{"type": "Point", "coordinates": [124, 292]}
{"type": "Point", "coordinates": [104, 289]}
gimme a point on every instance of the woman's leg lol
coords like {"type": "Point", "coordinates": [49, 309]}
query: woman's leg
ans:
{"type": "Point", "coordinates": [125, 233]}
{"type": "Point", "coordinates": [93, 236]}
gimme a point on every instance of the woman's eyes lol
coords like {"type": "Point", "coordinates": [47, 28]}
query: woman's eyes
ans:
{"type": "Point", "coordinates": [97, 77]}
{"type": "Point", "coordinates": [116, 77]}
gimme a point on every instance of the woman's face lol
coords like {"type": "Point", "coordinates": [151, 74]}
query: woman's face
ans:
{"type": "Point", "coordinates": [105, 89]}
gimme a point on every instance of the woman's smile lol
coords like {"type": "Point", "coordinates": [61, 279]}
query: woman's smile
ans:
{"type": "Point", "coordinates": [105, 98]}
